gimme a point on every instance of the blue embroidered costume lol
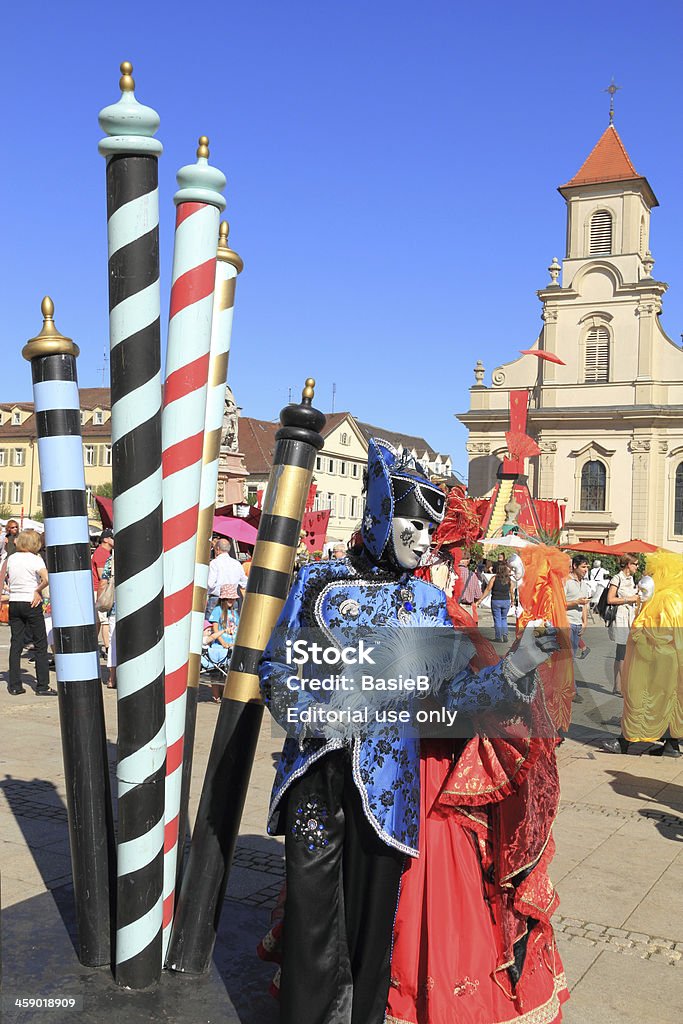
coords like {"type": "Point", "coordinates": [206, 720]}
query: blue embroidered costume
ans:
{"type": "Point", "coordinates": [349, 807]}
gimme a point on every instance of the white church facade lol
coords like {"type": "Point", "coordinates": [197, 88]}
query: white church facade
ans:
{"type": "Point", "coordinates": [607, 417]}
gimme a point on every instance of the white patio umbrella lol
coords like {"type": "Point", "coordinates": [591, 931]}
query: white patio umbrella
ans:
{"type": "Point", "coordinates": [511, 540]}
{"type": "Point", "coordinates": [26, 524]}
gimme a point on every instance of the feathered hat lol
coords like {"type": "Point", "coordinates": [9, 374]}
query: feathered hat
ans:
{"type": "Point", "coordinates": [396, 485]}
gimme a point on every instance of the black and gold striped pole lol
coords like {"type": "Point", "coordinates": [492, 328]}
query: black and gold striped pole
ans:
{"type": "Point", "coordinates": [239, 719]}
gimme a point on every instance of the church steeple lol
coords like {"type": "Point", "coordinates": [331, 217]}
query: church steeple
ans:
{"type": "Point", "coordinates": [608, 161]}
{"type": "Point", "coordinates": [608, 205]}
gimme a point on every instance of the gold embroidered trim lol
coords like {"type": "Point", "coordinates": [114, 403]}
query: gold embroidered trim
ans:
{"type": "Point", "coordinates": [519, 763]}
{"type": "Point", "coordinates": [546, 1013]}
{"type": "Point", "coordinates": [536, 859]}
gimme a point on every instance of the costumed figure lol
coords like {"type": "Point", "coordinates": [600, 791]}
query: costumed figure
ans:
{"type": "Point", "coordinates": [542, 596]}
{"type": "Point", "coordinates": [473, 941]}
{"type": "Point", "coordinates": [348, 801]}
{"type": "Point", "coordinates": [652, 677]}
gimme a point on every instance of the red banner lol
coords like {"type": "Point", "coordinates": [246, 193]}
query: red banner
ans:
{"type": "Point", "coordinates": [315, 525]}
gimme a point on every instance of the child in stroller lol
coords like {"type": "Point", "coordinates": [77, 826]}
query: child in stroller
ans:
{"type": "Point", "coordinates": [223, 621]}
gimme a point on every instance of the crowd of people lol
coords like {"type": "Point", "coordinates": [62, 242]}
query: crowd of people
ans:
{"type": "Point", "coordinates": [590, 593]}
{"type": "Point", "coordinates": [24, 585]}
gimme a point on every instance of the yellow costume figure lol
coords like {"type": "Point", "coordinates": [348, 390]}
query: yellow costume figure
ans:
{"type": "Point", "coordinates": [541, 596]}
{"type": "Point", "coordinates": [652, 677]}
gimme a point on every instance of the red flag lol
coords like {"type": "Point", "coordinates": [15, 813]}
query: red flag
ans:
{"type": "Point", "coordinates": [315, 526]}
{"type": "Point", "coordinates": [519, 402]}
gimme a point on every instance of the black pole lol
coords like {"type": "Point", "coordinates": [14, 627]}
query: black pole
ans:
{"type": "Point", "coordinates": [81, 711]}
{"type": "Point", "coordinates": [239, 719]}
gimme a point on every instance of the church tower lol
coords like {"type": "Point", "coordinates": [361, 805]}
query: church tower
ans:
{"type": "Point", "coordinates": [605, 382]}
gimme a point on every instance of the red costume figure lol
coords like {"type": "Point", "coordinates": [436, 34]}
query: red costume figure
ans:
{"type": "Point", "coordinates": [541, 595]}
{"type": "Point", "coordinates": [473, 942]}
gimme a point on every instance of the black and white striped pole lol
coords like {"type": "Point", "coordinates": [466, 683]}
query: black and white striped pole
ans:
{"type": "Point", "coordinates": [134, 327]}
{"type": "Point", "coordinates": [81, 712]}
{"type": "Point", "coordinates": [239, 719]}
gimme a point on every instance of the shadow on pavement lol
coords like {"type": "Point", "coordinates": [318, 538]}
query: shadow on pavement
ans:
{"type": "Point", "coordinates": [39, 936]}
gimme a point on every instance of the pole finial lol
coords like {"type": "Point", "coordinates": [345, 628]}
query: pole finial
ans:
{"type": "Point", "coordinates": [302, 421]}
{"type": "Point", "coordinates": [224, 252]}
{"type": "Point", "coordinates": [129, 125]}
{"type": "Point", "coordinates": [612, 89]}
{"type": "Point", "coordinates": [48, 342]}
{"type": "Point", "coordinates": [126, 83]}
{"type": "Point", "coordinates": [200, 182]}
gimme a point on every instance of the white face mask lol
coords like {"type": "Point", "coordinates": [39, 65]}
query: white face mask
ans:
{"type": "Point", "coordinates": [411, 538]}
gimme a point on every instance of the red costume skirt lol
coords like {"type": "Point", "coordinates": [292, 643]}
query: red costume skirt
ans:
{"type": "Point", "coordinates": [448, 959]}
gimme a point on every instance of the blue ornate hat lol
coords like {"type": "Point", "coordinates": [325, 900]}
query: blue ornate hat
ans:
{"type": "Point", "coordinates": [397, 485]}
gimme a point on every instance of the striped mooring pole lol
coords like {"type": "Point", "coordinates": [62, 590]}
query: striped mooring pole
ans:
{"type": "Point", "coordinates": [134, 327]}
{"type": "Point", "coordinates": [239, 719]}
{"type": "Point", "coordinates": [228, 266]}
{"type": "Point", "coordinates": [77, 665]}
{"type": "Point", "coordinates": [198, 205]}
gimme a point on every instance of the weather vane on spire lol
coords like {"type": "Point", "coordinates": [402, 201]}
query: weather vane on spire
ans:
{"type": "Point", "coordinates": [611, 89]}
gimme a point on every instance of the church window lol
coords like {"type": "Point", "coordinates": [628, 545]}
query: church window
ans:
{"type": "Point", "coordinates": [643, 237]}
{"type": "Point", "coordinates": [597, 355]}
{"type": "Point", "coordinates": [593, 486]}
{"type": "Point", "coordinates": [601, 234]}
{"type": "Point", "coordinates": [678, 500]}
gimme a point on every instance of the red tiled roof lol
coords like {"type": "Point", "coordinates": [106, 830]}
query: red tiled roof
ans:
{"type": "Point", "coordinates": [398, 439]}
{"type": "Point", "coordinates": [27, 429]}
{"type": "Point", "coordinates": [257, 444]}
{"type": "Point", "coordinates": [95, 398]}
{"type": "Point", "coordinates": [607, 161]}
{"type": "Point", "coordinates": [91, 398]}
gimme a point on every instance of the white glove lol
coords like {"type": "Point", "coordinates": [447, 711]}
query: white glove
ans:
{"type": "Point", "coordinates": [536, 644]}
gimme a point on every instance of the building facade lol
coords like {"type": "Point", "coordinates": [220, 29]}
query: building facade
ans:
{"type": "Point", "coordinates": [339, 466]}
{"type": "Point", "coordinates": [19, 465]}
{"type": "Point", "coordinates": [606, 387]}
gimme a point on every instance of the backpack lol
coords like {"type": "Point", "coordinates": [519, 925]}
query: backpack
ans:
{"type": "Point", "coordinates": [607, 612]}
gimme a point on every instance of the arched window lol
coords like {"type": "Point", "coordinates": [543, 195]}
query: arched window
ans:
{"type": "Point", "coordinates": [593, 486]}
{"type": "Point", "coordinates": [596, 366]}
{"type": "Point", "coordinates": [601, 234]}
{"type": "Point", "coordinates": [643, 237]}
{"type": "Point", "coordinates": [678, 500]}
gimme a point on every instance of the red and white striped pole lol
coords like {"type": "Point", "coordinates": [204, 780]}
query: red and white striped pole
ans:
{"type": "Point", "coordinates": [228, 266]}
{"type": "Point", "coordinates": [198, 205]}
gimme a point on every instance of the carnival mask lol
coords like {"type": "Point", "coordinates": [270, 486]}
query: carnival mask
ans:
{"type": "Point", "coordinates": [410, 538]}
{"type": "Point", "coordinates": [398, 491]}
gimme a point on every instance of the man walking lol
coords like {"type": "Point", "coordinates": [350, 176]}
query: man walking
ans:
{"type": "Point", "coordinates": [577, 594]}
{"type": "Point", "coordinates": [11, 531]}
{"type": "Point", "coordinates": [224, 569]}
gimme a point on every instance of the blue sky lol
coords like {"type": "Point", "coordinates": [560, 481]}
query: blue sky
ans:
{"type": "Point", "coordinates": [392, 173]}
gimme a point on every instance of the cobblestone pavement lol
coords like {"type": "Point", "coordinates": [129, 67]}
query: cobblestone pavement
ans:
{"type": "Point", "coordinates": [647, 947]}
{"type": "Point", "coordinates": [618, 869]}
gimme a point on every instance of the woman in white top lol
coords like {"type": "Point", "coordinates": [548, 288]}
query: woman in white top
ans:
{"type": "Point", "coordinates": [624, 594]}
{"type": "Point", "coordinates": [27, 579]}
